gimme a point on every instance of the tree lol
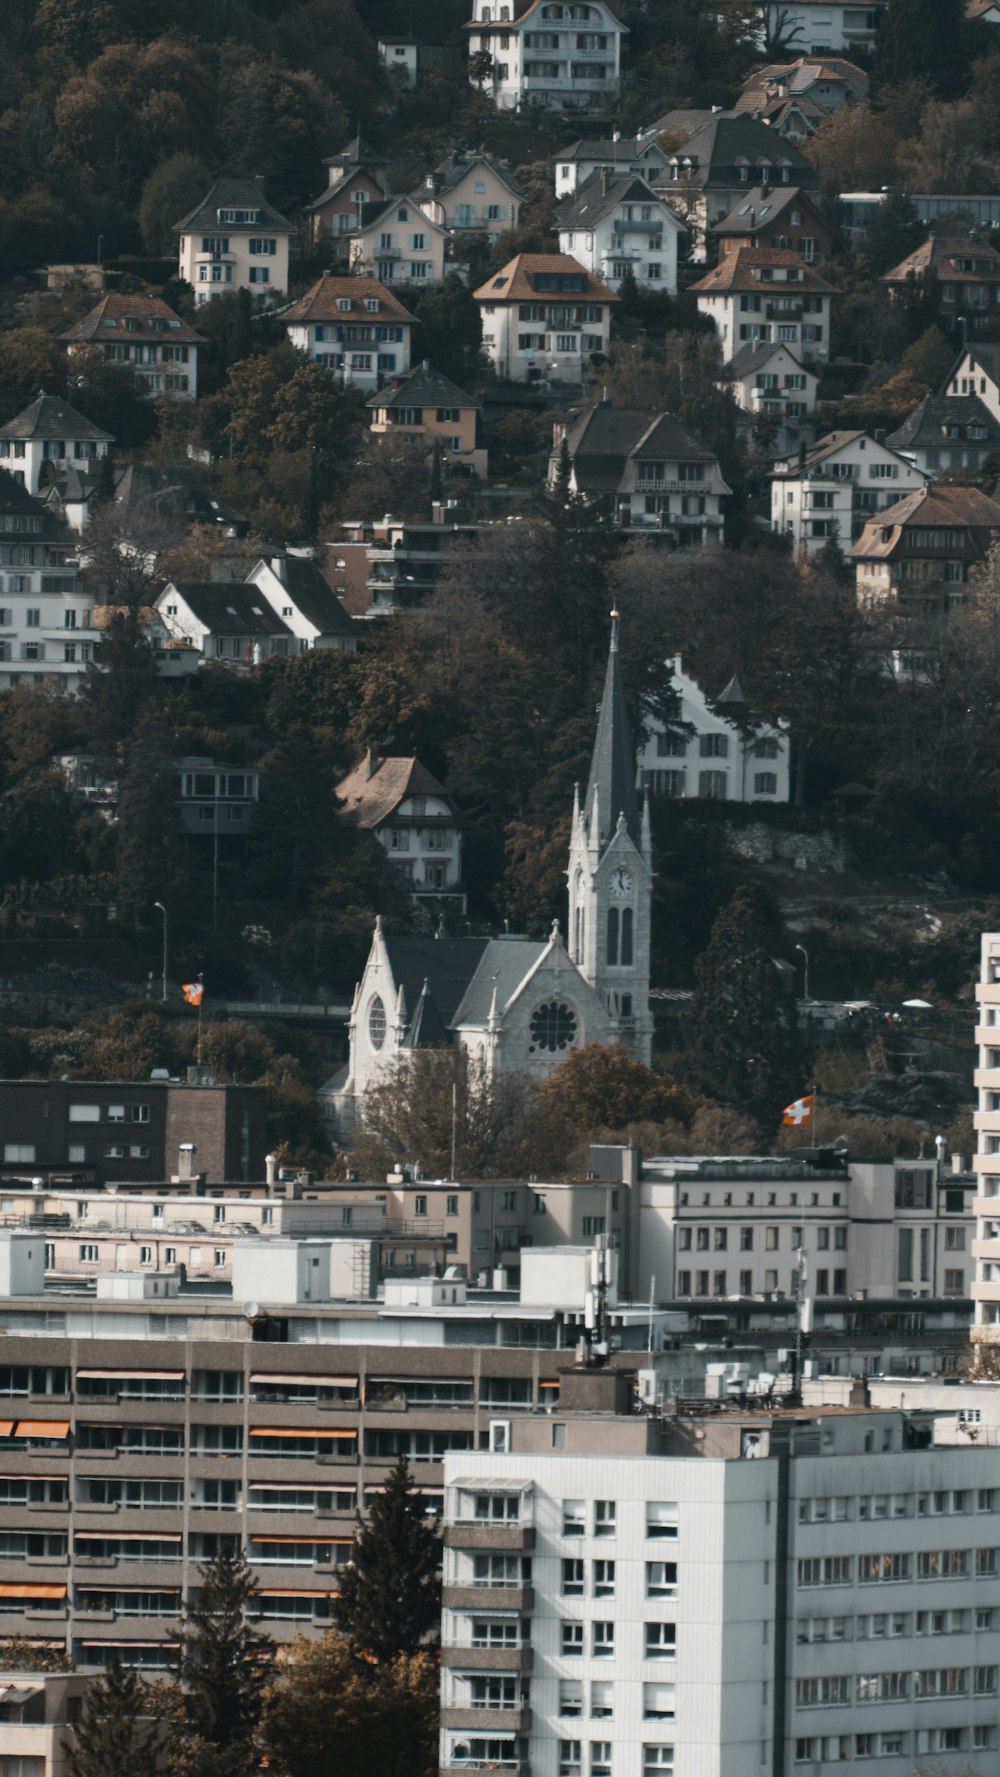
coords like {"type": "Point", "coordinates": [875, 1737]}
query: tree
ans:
{"type": "Point", "coordinates": [172, 189]}
{"type": "Point", "coordinates": [602, 1086]}
{"type": "Point", "coordinates": [145, 849]}
{"type": "Point", "coordinates": [922, 39]}
{"type": "Point", "coordinates": [741, 1049]}
{"type": "Point", "coordinates": [434, 1097]}
{"type": "Point", "coordinates": [114, 1735]}
{"type": "Point", "coordinates": [450, 329]}
{"type": "Point", "coordinates": [390, 1595]}
{"type": "Point", "coordinates": [222, 1675]}
{"type": "Point", "coordinates": [30, 359]}
{"type": "Point", "coordinates": [853, 150]}
{"type": "Point", "coordinates": [331, 1710]}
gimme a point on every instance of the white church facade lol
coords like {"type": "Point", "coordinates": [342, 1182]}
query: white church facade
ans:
{"type": "Point", "coordinates": [520, 1005]}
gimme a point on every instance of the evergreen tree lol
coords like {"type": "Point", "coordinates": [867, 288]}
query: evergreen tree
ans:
{"type": "Point", "coordinates": [741, 1047]}
{"type": "Point", "coordinates": [922, 39]}
{"type": "Point", "coordinates": [146, 849]}
{"type": "Point", "coordinates": [390, 1595]}
{"type": "Point", "coordinates": [118, 1732]}
{"type": "Point", "coordinates": [222, 1672]}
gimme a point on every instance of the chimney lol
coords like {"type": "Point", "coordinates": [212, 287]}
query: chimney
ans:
{"type": "Point", "coordinates": [372, 761]}
{"type": "Point", "coordinates": [616, 135]}
{"type": "Point", "coordinates": [185, 1160]}
{"type": "Point", "coordinates": [270, 1169]}
{"type": "Point", "coordinates": [958, 1163]}
{"type": "Point", "coordinates": [604, 181]}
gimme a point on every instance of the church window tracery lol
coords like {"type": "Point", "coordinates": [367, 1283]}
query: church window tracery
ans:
{"type": "Point", "coordinates": [552, 1027]}
{"type": "Point", "coordinates": [376, 1023]}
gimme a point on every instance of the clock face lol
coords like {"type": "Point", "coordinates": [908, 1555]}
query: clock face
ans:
{"type": "Point", "coordinates": [620, 884]}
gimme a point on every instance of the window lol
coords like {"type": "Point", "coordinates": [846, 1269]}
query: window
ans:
{"type": "Point", "coordinates": [570, 1764]}
{"type": "Point", "coordinates": [603, 1640]}
{"type": "Point", "coordinates": [19, 1151]}
{"type": "Point", "coordinates": [604, 1517]}
{"type": "Point", "coordinates": [570, 1696]}
{"type": "Point", "coordinates": [600, 1758]}
{"type": "Point", "coordinates": [765, 783]}
{"type": "Point", "coordinates": [661, 1579]}
{"type": "Point", "coordinates": [657, 1761]}
{"type": "Point", "coordinates": [604, 1579]}
{"type": "Point", "coordinates": [571, 1639]}
{"type": "Point", "coordinates": [661, 1641]}
{"type": "Point", "coordinates": [572, 1577]}
{"type": "Point", "coordinates": [661, 1518]}
{"type": "Point", "coordinates": [714, 746]}
{"type": "Point", "coordinates": [602, 1693]}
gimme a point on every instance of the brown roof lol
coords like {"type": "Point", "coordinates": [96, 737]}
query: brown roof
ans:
{"type": "Point", "coordinates": [521, 10]}
{"type": "Point", "coordinates": [938, 254]}
{"type": "Point", "coordinates": [955, 507]}
{"type": "Point", "coordinates": [515, 282]}
{"type": "Point", "coordinates": [105, 321]}
{"type": "Point", "coordinates": [741, 270]}
{"type": "Point", "coordinates": [320, 303]}
{"type": "Point", "coordinates": [373, 791]}
{"type": "Point", "coordinates": [759, 209]}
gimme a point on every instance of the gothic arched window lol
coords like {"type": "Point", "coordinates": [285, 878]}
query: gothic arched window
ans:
{"type": "Point", "coordinates": [626, 945]}
{"type": "Point", "coordinates": [376, 1023]}
{"type": "Point", "coordinates": [613, 934]}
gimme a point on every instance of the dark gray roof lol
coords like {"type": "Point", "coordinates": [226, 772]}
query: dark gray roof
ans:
{"type": "Point", "coordinates": [232, 194]}
{"type": "Point", "coordinates": [612, 769]}
{"type": "Point", "coordinates": [685, 121]}
{"type": "Point", "coordinates": [758, 353]}
{"type": "Point", "coordinates": [725, 141]}
{"type": "Point", "coordinates": [600, 442]}
{"type": "Point", "coordinates": [228, 607]}
{"type": "Point", "coordinates": [426, 1029]}
{"type": "Point", "coordinates": [50, 417]}
{"type": "Point", "coordinates": [422, 387]}
{"type": "Point", "coordinates": [733, 693]}
{"type": "Point", "coordinates": [180, 490]}
{"type": "Point", "coordinates": [357, 152]}
{"type": "Point", "coordinates": [501, 969]}
{"type": "Point", "coordinates": [924, 425]}
{"type": "Point", "coordinates": [665, 438]}
{"type": "Point", "coordinates": [604, 148]}
{"type": "Point", "coordinates": [452, 170]}
{"type": "Point", "coordinates": [16, 502]}
{"type": "Point", "coordinates": [760, 207]}
{"type": "Point", "coordinates": [600, 193]}
{"type": "Point", "coordinates": [988, 355]}
{"type": "Point", "coordinates": [446, 964]}
{"type": "Point", "coordinates": [316, 598]}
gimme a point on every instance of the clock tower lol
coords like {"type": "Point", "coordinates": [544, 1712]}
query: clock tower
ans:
{"type": "Point", "coordinates": [610, 874]}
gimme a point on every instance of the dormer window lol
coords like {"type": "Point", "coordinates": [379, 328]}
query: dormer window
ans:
{"type": "Point", "coordinates": [402, 215]}
{"type": "Point", "coordinates": [371, 305]}
{"type": "Point", "coordinates": [239, 218]}
{"type": "Point", "coordinates": [344, 304]}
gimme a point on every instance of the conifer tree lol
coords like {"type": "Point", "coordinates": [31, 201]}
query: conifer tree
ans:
{"type": "Point", "coordinates": [390, 1595]}
{"type": "Point", "coordinates": [222, 1672]}
{"type": "Point", "coordinates": [118, 1732]}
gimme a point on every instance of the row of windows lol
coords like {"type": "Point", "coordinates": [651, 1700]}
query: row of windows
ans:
{"type": "Point", "coordinates": [717, 1283]}
{"type": "Point", "coordinates": [657, 1700]}
{"type": "Point", "coordinates": [892, 1743]}
{"type": "Point", "coordinates": [712, 785]}
{"type": "Point", "coordinates": [931, 1564]}
{"type": "Point", "coordinates": [892, 1687]}
{"type": "Point", "coordinates": [661, 1578]}
{"type": "Point", "coordinates": [657, 1761]}
{"type": "Point", "coordinates": [659, 1640]}
{"type": "Point", "coordinates": [840, 1508]}
{"type": "Point", "coordinates": [717, 1239]}
{"type": "Point", "coordinates": [674, 746]}
{"type": "Point", "coordinates": [889, 1625]}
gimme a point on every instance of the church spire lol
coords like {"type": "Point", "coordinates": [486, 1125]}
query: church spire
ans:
{"type": "Point", "coordinates": [611, 787]}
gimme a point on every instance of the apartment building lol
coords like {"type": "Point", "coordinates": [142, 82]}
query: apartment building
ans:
{"type": "Point", "coordinates": [144, 334]}
{"type": "Point", "coordinates": [45, 619]}
{"type": "Point", "coordinates": [825, 27]}
{"type": "Point", "coordinates": [563, 57]}
{"type": "Point", "coordinates": [353, 325]}
{"type": "Point", "coordinates": [38, 1711]}
{"type": "Point", "coordinates": [765, 294]}
{"type": "Point", "coordinates": [355, 177]}
{"type": "Point", "coordinates": [48, 437]}
{"type": "Point", "coordinates": [415, 821]}
{"type": "Point", "coordinates": [726, 1593]}
{"type": "Point", "coordinates": [922, 549]}
{"type": "Point", "coordinates": [833, 489]}
{"type": "Point", "coordinates": [234, 240]}
{"type": "Point", "coordinates": [986, 1250]}
{"type": "Point", "coordinates": [963, 271]}
{"type": "Point", "coordinates": [397, 242]}
{"type": "Point", "coordinates": [544, 318]}
{"type": "Point", "coordinates": [468, 194]}
{"type": "Point", "coordinates": [650, 474]}
{"type": "Point", "coordinates": [616, 155]}
{"type": "Point", "coordinates": [427, 406]}
{"type": "Point", "coordinates": [617, 226]}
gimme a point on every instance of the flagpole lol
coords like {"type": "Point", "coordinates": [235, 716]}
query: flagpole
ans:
{"type": "Point", "coordinates": [201, 1000]}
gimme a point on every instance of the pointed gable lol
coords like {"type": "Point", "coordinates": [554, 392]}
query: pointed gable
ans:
{"type": "Point", "coordinates": [612, 770]}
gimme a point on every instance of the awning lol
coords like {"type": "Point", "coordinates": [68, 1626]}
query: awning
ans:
{"type": "Point", "coordinates": [288, 1486]}
{"type": "Point", "coordinates": [6, 1427]}
{"type": "Point", "coordinates": [549, 1384]}
{"type": "Point", "coordinates": [128, 1644]}
{"type": "Point", "coordinates": [486, 1484]}
{"type": "Point", "coordinates": [48, 1476]}
{"type": "Point", "coordinates": [320, 1381]}
{"type": "Point", "coordinates": [130, 1375]}
{"type": "Point", "coordinates": [24, 1591]}
{"type": "Point", "coordinates": [103, 1591]}
{"type": "Point", "coordinates": [42, 1428]}
{"type": "Point", "coordinates": [298, 1431]}
{"type": "Point", "coordinates": [312, 1542]}
{"type": "Point", "coordinates": [128, 1536]}
{"type": "Point", "coordinates": [288, 1592]}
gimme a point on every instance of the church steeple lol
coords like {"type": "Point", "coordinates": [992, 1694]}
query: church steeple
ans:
{"type": "Point", "coordinates": [611, 786]}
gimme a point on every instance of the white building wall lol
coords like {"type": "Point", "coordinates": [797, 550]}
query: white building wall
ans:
{"type": "Point", "coordinates": [837, 497]}
{"type": "Point", "coordinates": [559, 56]}
{"type": "Point", "coordinates": [617, 241]}
{"type": "Point", "coordinates": [742, 768]}
{"type": "Point", "coordinates": [358, 364]}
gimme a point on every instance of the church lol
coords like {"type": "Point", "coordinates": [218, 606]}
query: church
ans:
{"type": "Point", "coordinates": [519, 1005]}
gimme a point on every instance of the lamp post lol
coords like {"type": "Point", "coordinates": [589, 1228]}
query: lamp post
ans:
{"type": "Point", "coordinates": [163, 910]}
{"type": "Point", "coordinates": [805, 972]}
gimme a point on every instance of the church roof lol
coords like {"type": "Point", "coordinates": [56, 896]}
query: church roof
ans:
{"type": "Point", "coordinates": [426, 1029]}
{"type": "Point", "coordinates": [502, 966]}
{"type": "Point", "coordinates": [446, 965]}
{"type": "Point", "coordinates": [612, 770]}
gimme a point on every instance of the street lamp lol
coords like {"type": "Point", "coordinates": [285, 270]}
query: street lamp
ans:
{"type": "Point", "coordinates": [805, 972]}
{"type": "Point", "coordinates": [163, 910]}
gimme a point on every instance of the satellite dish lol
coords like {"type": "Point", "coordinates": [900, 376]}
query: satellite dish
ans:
{"type": "Point", "coordinates": [251, 1310]}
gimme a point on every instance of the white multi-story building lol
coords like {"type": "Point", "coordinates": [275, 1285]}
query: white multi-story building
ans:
{"type": "Point", "coordinates": [234, 240]}
{"type": "Point", "coordinates": [561, 57]}
{"type": "Point", "coordinates": [544, 318]}
{"type": "Point", "coordinates": [822, 27]}
{"type": "Point", "coordinates": [45, 619]}
{"type": "Point", "coordinates": [615, 224]}
{"type": "Point", "coordinates": [416, 822]}
{"type": "Point", "coordinates": [765, 294]}
{"type": "Point", "coordinates": [708, 752]}
{"type": "Point", "coordinates": [142, 333]}
{"type": "Point", "coordinates": [615, 154]}
{"type": "Point", "coordinates": [833, 490]}
{"type": "Point", "coordinates": [398, 243]}
{"type": "Point", "coordinates": [49, 437]}
{"type": "Point", "coordinates": [355, 326]}
{"type": "Point", "coordinates": [722, 1595]}
{"type": "Point", "coordinates": [986, 1288]}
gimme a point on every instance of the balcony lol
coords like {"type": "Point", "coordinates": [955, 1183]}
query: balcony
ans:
{"type": "Point", "coordinates": [498, 1538]}
{"type": "Point", "coordinates": [515, 1720]}
{"type": "Point", "coordinates": [516, 1596]}
{"type": "Point", "coordinates": [386, 252]}
{"type": "Point", "coordinates": [489, 1659]}
{"type": "Point", "coordinates": [783, 311]}
{"type": "Point", "coordinates": [630, 225]}
{"type": "Point", "coordinates": [512, 1767]}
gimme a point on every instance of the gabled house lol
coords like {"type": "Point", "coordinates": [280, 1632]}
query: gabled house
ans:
{"type": "Point", "coordinates": [562, 57]}
{"type": "Point", "coordinates": [985, 12]}
{"type": "Point", "coordinates": [922, 550]}
{"type": "Point", "coordinates": [142, 332]}
{"type": "Point", "coordinates": [831, 492]}
{"type": "Point", "coordinates": [977, 372]}
{"type": "Point", "coordinates": [230, 623]}
{"type": "Point", "coordinates": [355, 177]}
{"type": "Point", "coordinates": [615, 154]}
{"type": "Point", "coordinates": [470, 194]}
{"type": "Point", "coordinates": [794, 98]}
{"type": "Point", "coordinates": [304, 600]}
{"type": "Point", "coordinates": [647, 471]}
{"type": "Point", "coordinates": [353, 325]}
{"type": "Point", "coordinates": [965, 272]}
{"type": "Point", "coordinates": [47, 438]}
{"type": "Point", "coordinates": [414, 820]}
{"type": "Point", "coordinates": [712, 171]}
{"type": "Point", "coordinates": [545, 317]}
{"type": "Point", "coordinates": [429, 406]}
{"type": "Point", "coordinates": [767, 294]}
{"type": "Point", "coordinates": [397, 243]}
{"type": "Point", "coordinates": [776, 216]}
{"type": "Point", "coordinates": [949, 432]}
{"type": "Point", "coordinates": [234, 240]}
{"type": "Point", "coordinates": [614, 223]}
{"type": "Point", "coordinates": [768, 381]}
{"type": "Point", "coordinates": [46, 628]}
{"type": "Point", "coordinates": [714, 749]}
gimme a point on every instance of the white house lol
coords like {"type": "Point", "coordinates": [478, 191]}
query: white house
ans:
{"type": "Point", "coordinates": [46, 620]}
{"type": "Point", "coordinates": [768, 294]}
{"type": "Point", "coordinates": [415, 821]}
{"type": "Point", "coordinates": [355, 326]}
{"type": "Point", "coordinates": [398, 243]}
{"type": "Point", "coordinates": [228, 622]}
{"type": "Point", "coordinates": [234, 240]}
{"type": "Point", "coordinates": [298, 593]}
{"type": "Point", "coordinates": [544, 316]}
{"type": "Point", "coordinates": [825, 27]}
{"type": "Point", "coordinates": [986, 1251]}
{"type": "Point", "coordinates": [768, 382]}
{"type": "Point", "coordinates": [143, 333]}
{"type": "Point", "coordinates": [562, 55]}
{"type": "Point", "coordinates": [836, 487]}
{"type": "Point", "coordinates": [615, 154]}
{"type": "Point", "coordinates": [977, 372]}
{"type": "Point", "coordinates": [48, 437]}
{"type": "Point", "coordinates": [468, 193]}
{"type": "Point", "coordinates": [615, 224]}
{"type": "Point", "coordinates": [714, 749]}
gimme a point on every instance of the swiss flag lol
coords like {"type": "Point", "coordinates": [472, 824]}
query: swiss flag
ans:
{"type": "Point", "coordinates": [800, 1114]}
